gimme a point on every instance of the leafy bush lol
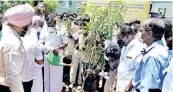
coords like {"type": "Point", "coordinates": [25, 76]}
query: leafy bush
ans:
{"type": "Point", "coordinates": [103, 21]}
{"type": "Point", "coordinates": [51, 4]}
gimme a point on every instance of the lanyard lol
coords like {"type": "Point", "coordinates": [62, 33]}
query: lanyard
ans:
{"type": "Point", "coordinates": [144, 52]}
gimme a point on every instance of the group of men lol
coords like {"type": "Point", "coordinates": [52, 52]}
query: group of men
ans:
{"type": "Point", "coordinates": [139, 55]}
{"type": "Point", "coordinates": [145, 59]}
{"type": "Point", "coordinates": [27, 38]}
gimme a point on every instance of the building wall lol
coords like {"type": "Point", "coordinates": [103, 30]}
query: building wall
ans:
{"type": "Point", "coordinates": [162, 4]}
{"type": "Point", "coordinates": [64, 6]}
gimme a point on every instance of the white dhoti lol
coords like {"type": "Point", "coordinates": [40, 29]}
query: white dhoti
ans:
{"type": "Point", "coordinates": [53, 76]}
{"type": "Point", "coordinates": [38, 81]}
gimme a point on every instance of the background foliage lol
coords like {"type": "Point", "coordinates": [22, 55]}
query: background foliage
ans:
{"type": "Point", "coordinates": [51, 4]}
{"type": "Point", "coordinates": [4, 5]}
{"type": "Point", "coordinates": [103, 21]}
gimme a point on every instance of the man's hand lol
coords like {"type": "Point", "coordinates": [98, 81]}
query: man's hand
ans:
{"type": "Point", "coordinates": [69, 65]}
{"type": "Point", "coordinates": [39, 62]}
{"type": "Point", "coordinates": [55, 51]}
{"type": "Point", "coordinates": [62, 46]}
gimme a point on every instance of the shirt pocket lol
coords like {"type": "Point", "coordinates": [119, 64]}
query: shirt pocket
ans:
{"type": "Point", "coordinates": [130, 63]}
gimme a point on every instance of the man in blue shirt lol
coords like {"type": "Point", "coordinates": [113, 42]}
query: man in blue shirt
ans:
{"type": "Point", "coordinates": [152, 61]}
{"type": "Point", "coordinates": [168, 81]}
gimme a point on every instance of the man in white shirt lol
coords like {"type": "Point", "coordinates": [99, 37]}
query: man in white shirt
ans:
{"type": "Point", "coordinates": [53, 42]}
{"type": "Point", "coordinates": [131, 48]}
{"type": "Point", "coordinates": [37, 24]}
{"type": "Point", "coordinates": [30, 42]}
{"type": "Point", "coordinates": [33, 55]}
{"type": "Point", "coordinates": [12, 53]}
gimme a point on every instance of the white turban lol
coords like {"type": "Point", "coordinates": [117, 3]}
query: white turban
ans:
{"type": "Point", "coordinates": [20, 15]}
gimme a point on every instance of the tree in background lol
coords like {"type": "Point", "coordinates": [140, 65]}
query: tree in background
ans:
{"type": "Point", "coordinates": [4, 5]}
{"type": "Point", "coordinates": [52, 5]}
{"type": "Point", "coordinates": [103, 21]}
{"type": "Point", "coordinates": [31, 2]}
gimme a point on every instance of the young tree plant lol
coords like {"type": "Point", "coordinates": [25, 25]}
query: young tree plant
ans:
{"type": "Point", "coordinates": [103, 21]}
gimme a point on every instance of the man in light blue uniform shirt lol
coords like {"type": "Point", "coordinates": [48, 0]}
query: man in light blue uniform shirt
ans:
{"type": "Point", "coordinates": [168, 81]}
{"type": "Point", "coordinates": [152, 62]}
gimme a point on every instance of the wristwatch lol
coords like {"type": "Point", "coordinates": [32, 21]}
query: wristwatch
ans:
{"type": "Point", "coordinates": [127, 89]}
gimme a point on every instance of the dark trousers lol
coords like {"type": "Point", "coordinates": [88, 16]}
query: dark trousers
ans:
{"type": "Point", "coordinates": [151, 90]}
{"type": "Point", "coordinates": [27, 86]}
{"type": "Point", "coordinates": [155, 90]}
{"type": "Point", "coordinates": [66, 71]}
{"type": "Point", "coordinates": [4, 88]}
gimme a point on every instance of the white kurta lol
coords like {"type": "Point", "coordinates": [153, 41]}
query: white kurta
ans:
{"type": "Point", "coordinates": [12, 60]}
{"type": "Point", "coordinates": [127, 64]}
{"type": "Point", "coordinates": [30, 42]}
{"type": "Point", "coordinates": [38, 81]}
{"type": "Point", "coordinates": [53, 74]}
{"type": "Point", "coordinates": [31, 45]}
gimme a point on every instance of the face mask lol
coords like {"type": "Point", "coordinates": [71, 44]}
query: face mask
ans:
{"type": "Point", "coordinates": [169, 44]}
{"type": "Point", "coordinates": [51, 29]}
{"type": "Point", "coordinates": [121, 43]}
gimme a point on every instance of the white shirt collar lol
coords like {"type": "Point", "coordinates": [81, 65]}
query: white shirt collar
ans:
{"type": "Point", "coordinates": [10, 30]}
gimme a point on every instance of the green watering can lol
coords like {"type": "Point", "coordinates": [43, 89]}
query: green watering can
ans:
{"type": "Point", "coordinates": [54, 59]}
